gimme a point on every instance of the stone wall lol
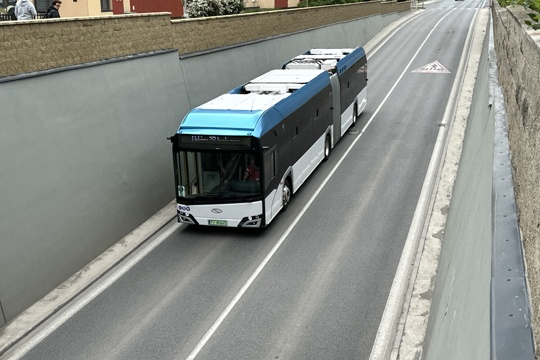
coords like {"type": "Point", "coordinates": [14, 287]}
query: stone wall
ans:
{"type": "Point", "coordinates": [34, 45]}
{"type": "Point", "coordinates": [45, 44]}
{"type": "Point", "coordinates": [518, 57]}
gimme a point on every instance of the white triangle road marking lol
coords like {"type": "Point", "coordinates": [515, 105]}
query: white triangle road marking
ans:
{"type": "Point", "coordinates": [432, 68]}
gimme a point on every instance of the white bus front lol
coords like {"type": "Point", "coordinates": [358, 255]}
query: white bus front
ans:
{"type": "Point", "coordinates": [218, 181]}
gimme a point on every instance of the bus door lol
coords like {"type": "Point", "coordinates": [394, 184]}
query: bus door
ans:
{"type": "Point", "coordinates": [273, 188]}
{"type": "Point", "coordinates": [336, 112]}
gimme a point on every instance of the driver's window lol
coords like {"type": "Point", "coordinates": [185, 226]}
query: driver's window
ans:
{"type": "Point", "coordinates": [252, 170]}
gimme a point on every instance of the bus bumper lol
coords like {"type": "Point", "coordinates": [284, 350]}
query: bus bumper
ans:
{"type": "Point", "coordinates": [219, 215]}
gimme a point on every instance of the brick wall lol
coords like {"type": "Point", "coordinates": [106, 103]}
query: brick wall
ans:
{"type": "Point", "coordinates": [518, 60]}
{"type": "Point", "coordinates": [45, 44]}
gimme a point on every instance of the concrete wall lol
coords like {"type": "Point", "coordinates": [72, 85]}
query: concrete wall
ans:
{"type": "Point", "coordinates": [83, 160]}
{"type": "Point", "coordinates": [45, 44]}
{"type": "Point", "coordinates": [83, 152]}
{"type": "Point", "coordinates": [518, 58]}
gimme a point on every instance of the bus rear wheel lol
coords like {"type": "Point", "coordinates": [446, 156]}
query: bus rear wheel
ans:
{"type": "Point", "coordinates": [326, 148]}
{"type": "Point", "coordinates": [354, 115]}
{"type": "Point", "coordinates": [287, 193]}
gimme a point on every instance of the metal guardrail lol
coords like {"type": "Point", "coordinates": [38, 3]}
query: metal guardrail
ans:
{"type": "Point", "coordinates": [511, 323]}
{"type": "Point", "coordinates": [5, 17]}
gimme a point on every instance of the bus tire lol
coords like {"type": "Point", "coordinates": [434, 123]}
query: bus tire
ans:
{"type": "Point", "coordinates": [354, 115]}
{"type": "Point", "coordinates": [286, 193]}
{"type": "Point", "coordinates": [326, 148]}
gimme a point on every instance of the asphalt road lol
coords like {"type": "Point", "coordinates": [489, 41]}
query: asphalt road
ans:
{"type": "Point", "coordinates": [314, 284]}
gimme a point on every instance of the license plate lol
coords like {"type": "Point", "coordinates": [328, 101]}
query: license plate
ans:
{"type": "Point", "coordinates": [217, 222]}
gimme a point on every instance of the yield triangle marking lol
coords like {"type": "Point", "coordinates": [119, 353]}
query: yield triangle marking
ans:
{"type": "Point", "coordinates": [433, 68]}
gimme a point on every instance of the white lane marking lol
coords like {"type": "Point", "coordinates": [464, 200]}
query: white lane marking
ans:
{"type": "Point", "coordinates": [71, 310]}
{"type": "Point", "coordinates": [261, 266]}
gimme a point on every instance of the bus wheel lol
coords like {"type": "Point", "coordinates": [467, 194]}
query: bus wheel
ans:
{"type": "Point", "coordinates": [287, 193]}
{"type": "Point", "coordinates": [326, 148]}
{"type": "Point", "coordinates": [354, 115]}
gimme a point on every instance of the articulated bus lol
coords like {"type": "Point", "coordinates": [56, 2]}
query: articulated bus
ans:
{"type": "Point", "coordinates": [240, 157]}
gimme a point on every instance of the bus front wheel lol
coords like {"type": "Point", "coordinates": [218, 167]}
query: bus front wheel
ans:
{"type": "Point", "coordinates": [354, 115]}
{"type": "Point", "coordinates": [287, 193]}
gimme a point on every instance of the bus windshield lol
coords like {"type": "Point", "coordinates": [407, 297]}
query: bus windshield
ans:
{"type": "Point", "coordinates": [217, 175]}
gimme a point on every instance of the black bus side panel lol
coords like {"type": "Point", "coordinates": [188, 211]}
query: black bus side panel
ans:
{"type": "Point", "coordinates": [353, 81]}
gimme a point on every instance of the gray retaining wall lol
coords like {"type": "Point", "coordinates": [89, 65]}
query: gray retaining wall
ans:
{"type": "Point", "coordinates": [83, 161]}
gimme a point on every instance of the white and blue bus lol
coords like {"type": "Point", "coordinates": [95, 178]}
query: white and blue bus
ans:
{"type": "Point", "coordinates": [240, 157]}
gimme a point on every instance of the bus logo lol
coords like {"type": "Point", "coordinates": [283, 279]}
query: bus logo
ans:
{"type": "Point", "coordinates": [183, 208]}
{"type": "Point", "coordinates": [216, 211]}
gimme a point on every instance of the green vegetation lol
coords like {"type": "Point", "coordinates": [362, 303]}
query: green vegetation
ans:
{"type": "Point", "coordinates": [529, 5]}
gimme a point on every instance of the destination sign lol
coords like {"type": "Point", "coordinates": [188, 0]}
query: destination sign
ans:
{"type": "Point", "coordinates": [216, 140]}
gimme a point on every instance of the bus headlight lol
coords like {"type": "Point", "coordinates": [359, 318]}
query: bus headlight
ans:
{"type": "Point", "coordinates": [251, 221]}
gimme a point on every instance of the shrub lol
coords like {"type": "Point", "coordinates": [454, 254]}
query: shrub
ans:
{"type": "Point", "coordinates": [534, 5]}
{"type": "Point", "coordinates": [229, 7]}
{"type": "Point", "coordinates": [203, 8]}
